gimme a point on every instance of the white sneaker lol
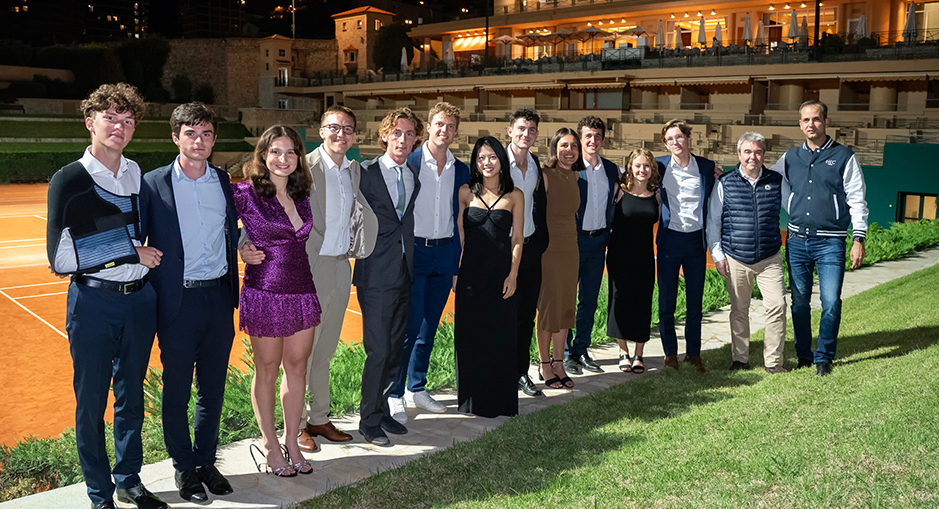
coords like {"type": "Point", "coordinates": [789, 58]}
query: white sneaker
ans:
{"type": "Point", "coordinates": [425, 401]}
{"type": "Point", "coordinates": [396, 407]}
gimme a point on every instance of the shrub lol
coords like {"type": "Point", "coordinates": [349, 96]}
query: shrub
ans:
{"type": "Point", "coordinates": [182, 89]}
{"type": "Point", "coordinates": [204, 93]}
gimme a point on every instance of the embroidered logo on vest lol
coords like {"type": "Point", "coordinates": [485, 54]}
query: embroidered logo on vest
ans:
{"type": "Point", "coordinates": [830, 162]}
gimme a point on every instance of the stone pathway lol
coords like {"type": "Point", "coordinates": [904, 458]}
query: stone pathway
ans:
{"type": "Point", "coordinates": [336, 465]}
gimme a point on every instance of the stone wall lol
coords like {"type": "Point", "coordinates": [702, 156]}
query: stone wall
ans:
{"type": "Point", "coordinates": [230, 66]}
{"type": "Point", "coordinates": [314, 56]}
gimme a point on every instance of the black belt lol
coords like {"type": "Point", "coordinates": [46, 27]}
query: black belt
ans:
{"type": "Point", "coordinates": [208, 283]}
{"type": "Point", "coordinates": [432, 242]}
{"type": "Point", "coordinates": [593, 233]}
{"type": "Point", "coordinates": [114, 286]}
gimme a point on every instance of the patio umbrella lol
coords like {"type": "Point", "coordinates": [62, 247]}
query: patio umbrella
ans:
{"type": "Point", "coordinates": [506, 39]}
{"type": "Point", "coordinates": [747, 29]}
{"type": "Point", "coordinates": [702, 36]}
{"type": "Point", "coordinates": [590, 33]}
{"type": "Point", "coordinates": [860, 30]}
{"type": "Point", "coordinates": [660, 36]}
{"type": "Point", "coordinates": [678, 43]}
{"type": "Point", "coordinates": [793, 26]}
{"type": "Point", "coordinates": [555, 38]}
{"type": "Point", "coordinates": [404, 59]}
{"type": "Point", "coordinates": [909, 29]}
{"type": "Point", "coordinates": [632, 32]}
{"type": "Point", "coordinates": [718, 36]}
{"type": "Point", "coordinates": [760, 38]}
{"type": "Point", "coordinates": [804, 33]}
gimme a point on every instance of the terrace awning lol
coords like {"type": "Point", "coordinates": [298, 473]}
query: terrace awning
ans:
{"type": "Point", "coordinates": [595, 85]}
{"type": "Point", "coordinates": [523, 86]}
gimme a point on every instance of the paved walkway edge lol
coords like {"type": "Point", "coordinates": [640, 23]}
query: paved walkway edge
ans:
{"type": "Point", "coordinates": [340, 464]}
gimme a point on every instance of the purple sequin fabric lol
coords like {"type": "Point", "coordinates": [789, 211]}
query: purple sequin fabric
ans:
{"type": "Point", "coordinates": [278, 297]}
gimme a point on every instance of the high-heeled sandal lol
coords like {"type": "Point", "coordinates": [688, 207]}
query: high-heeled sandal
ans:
{"type": "Point", "coordinates": [550, 383]}
{"type": "Point", "coordinates": [640, 368]}
{"type": "Point", "coordinates": [298, 465]}
{"type": "Point", "coordinates": [624, 364]}
{"type": "Point", "coordinates": [279, 472]}
{"type": "Point", "coordinates": [566, 382]}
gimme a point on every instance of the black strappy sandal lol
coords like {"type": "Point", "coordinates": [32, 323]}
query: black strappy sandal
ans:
{"type": "Point", "coordinates": [279, 472]}
{"type": "Point", "coordinates": [549, 383]}
{"type": "Point", "coordinates": [638, 369]}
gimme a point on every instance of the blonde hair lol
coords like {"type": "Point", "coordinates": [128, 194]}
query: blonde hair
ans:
{"type": "Point", "coordinates": [628, 180]}
{"type": "Point", "coordinates": [680, 124]}
{"type": "Point", "coordinates": [447, 109]}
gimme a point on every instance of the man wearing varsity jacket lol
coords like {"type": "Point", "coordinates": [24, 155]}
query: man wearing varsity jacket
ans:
{"type": "Point", "coordinates": [827, 200]}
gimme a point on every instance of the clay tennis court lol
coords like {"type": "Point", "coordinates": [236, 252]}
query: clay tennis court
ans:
{"type": "Point", "coordinates": [36, 396]}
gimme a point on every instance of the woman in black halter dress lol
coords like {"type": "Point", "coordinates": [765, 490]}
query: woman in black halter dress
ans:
{"type": "Point", "coordinates": [491, 225]}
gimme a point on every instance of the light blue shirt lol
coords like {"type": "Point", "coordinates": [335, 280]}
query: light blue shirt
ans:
{"type": "Point", "coordinates": [201, 208]}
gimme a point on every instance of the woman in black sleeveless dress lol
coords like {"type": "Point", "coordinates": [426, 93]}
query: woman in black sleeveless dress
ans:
{"type": "Point", "coordinates": [630, 259]}
{"type": "Point", "coordinates": [484, 322]}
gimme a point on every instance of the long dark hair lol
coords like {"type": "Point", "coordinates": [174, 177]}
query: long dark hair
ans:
{"type": "Point", "coordinates": [552, 161]}
{"type": "Point", "coordinates": [298, 183]}
{"type": "Point", "coordinates": [505, 171]}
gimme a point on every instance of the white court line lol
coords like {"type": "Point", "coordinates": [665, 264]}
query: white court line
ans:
{"type": "Point", "coordinates": [19, 240]}
{"type": "Point", "coordinates": [65, 282]}
{"type": "Point", "coordinates": [24, 245]}
{"type": "Point", "coordinates": [34, 314]}
{"type": "Point", "coordinates": [41, 295]}
{"type": "Point", "coordinates": [24, 266]}
{"type": "Point", "coordinates": [353, 311]}
{"type": "Point", "coordinates": [14, 216]}
{"type": "Point", "coordinates": [40, 217]}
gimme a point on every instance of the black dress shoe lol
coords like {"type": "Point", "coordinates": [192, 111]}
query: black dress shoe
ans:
{"type": "Point", "coordinates": [737, 366]}
{"type": "Point", "coordinates": [804, 363]}
{"type": "Point", "coordinates": [214, 480]}
{"type": "Point", "coordinates": [109, 504]}
{"type": "Point", "coordinates": [589, 364]}
{"type": "Point", "coordinates": [374, 435]}
{"type": "Point", "coordinates": [392, 426]}
{"type": "Point", "coordinates": [528, 387]}
{"type": "Point", "coordinates": [572, 366]}
{"type": "Point", "coordinates": [141, 497]}
{"type": "Point", "coordinates": [190, 488]}
{"type": "Point", "coordinates": [823, 368]}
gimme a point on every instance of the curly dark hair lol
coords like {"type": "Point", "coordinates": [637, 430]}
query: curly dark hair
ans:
{"type": "Point", "coordinates": [120, 96]}
{"type": "Point", "coordinates": [298, 183]}
{"type": "Point", "coordinates": [527, 114]}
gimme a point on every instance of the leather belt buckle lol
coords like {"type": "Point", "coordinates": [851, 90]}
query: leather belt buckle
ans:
{"type": "Point", "coordinates": [430, 242]}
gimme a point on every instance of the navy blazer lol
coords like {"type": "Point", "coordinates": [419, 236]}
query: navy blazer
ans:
{"type": "Point", "coordinates": [379, 270]}
{"type": "Point", "coordinates": [706, 169]}
{"type": "Point", "coordinates": [162, 229]}
{"type": "Point", "coordinates": [460, 177]}
{"type": "Point", "coordinates": [612, 175]}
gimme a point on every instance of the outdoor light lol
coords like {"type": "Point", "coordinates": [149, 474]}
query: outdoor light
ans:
{"type": "Point", "coordinates": [600, 23]}
{"type": "Point", "coordinates": [686, 14]}
{"type": "Point", "coordinates": [713, 12]}
{"type": "Point", "coordinates": [699, 14]}
{"type": "Point", "coordinates": [787, 7]}
{"type": "Point", "coordinates": [673, 15]}
{"type": "Point", "coordinates": [611, 21]}
{"type": "Point", "coordinates": [771, 7]}
{"type": "Point", "coordinates": [588, 24]}
{"type": "Point", "coordinates": [624, 19]}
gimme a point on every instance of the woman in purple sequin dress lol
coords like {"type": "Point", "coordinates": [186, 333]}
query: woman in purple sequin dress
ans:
{"type": "Point", "coordinates": [279, 308]}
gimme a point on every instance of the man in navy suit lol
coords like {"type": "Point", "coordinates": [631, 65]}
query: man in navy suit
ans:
{"type": "Point", "coordinates": [597, 189]}
{"type": "Point", "coordinates": [383, 280]}
{"type": "Point", "coordinates": [191, 217]}
{"type": "Point", "coordinates": [687, 181]}
{"type": "Point", "coordinates": [436, 255]}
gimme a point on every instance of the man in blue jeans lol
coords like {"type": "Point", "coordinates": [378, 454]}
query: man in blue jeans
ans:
{"type": "Point", "coordinates": [827, 198]}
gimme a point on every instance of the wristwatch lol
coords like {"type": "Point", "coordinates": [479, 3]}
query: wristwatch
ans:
{"type": "Point", "coordinates": [859, 240]}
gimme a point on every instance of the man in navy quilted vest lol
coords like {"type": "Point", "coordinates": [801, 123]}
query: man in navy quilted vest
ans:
{"type": "Point", "coordinates": [827, 199]}
{"type": "Point", "coordinates": [744, 239]}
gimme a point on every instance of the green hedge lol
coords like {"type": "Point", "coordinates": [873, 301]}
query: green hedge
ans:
{"type": "Point", "coordinates": [76, 129]}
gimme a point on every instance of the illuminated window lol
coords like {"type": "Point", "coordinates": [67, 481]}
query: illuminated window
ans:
{"type": "Point", "coordinates": [914, 207]}
{"type": "Point", "coordinates": [91, 8]}
{"type": "Point", "coordinates": [377, 24]}
{"type": "Point", "coordinates": [358, 25]}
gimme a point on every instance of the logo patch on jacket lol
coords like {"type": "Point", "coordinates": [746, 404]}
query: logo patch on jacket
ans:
{"type": "Point", "coordinates": [830, 162]}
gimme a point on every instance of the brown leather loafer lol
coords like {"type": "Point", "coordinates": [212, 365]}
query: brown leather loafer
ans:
{"type": "Point", "coordinates": [327, 431]}
{"type": "Point", "coordinates": [695, 361]}
{"type": "Point", "coordinates": [671, 361]}
{"type": "Point", "coordinates": [306, 442]}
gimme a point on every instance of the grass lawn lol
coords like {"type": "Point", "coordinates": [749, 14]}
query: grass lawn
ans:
{"type": "Point", "coordinates": [866, 436]}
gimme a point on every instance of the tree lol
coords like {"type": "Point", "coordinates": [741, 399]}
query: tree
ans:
{"type": "Point", "coordinates": [143, 61]}
{"type": "Point", "coordinates": [95, 65]}
{"type": "Point", "coordinates": [388, 43]}
{"type": "Point", "coordinates": [204, 93]}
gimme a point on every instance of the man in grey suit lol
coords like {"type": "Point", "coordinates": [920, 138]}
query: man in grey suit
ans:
{"type": "Point", "coordinates": [383, 280]}
{"type": "Point", "coordinates": [344, 227]}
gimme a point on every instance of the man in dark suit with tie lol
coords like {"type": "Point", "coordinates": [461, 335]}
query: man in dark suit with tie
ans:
{"type": "Point", "coordinates": [383, 280]}
{"type": "Point", "coordinates": [687, 181]}
{"type": "Point", "coordinates": [191, 217]}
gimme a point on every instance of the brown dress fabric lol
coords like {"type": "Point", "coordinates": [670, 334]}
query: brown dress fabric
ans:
{"type": "Point", "coordinates": [557, 303]}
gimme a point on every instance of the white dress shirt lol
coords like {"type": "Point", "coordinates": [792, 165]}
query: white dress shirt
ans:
{"type": "Point", "coordinates": [390, 175]}
{"type": "Point", "coordinates": [339, 198]}
{"type": "Point", "coordinates": [598, 192]}
{"type": "Point", "coordinates": [527, 183]}
{"type": "Point", "coordinates": [685, 196]}
{"type": "Point", "coordinates": [201, 210]}
{"type": "Point", "coordinates": [433, 208]}
{"type": "Point", "coordinates": [126, 183]}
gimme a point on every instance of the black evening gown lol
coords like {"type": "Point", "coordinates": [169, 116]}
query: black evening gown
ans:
{"type": "Point", "coordinates": [484, 322]}
{"type": "Point", "coordinates": [630, 266]}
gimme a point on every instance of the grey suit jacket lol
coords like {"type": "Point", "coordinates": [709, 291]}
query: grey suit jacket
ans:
{"type": "Point", "coordinates": [364, 227]}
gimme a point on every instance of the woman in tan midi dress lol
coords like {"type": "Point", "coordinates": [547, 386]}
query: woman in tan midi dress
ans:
{"type": "Point", "coordinates": [557, 302]}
